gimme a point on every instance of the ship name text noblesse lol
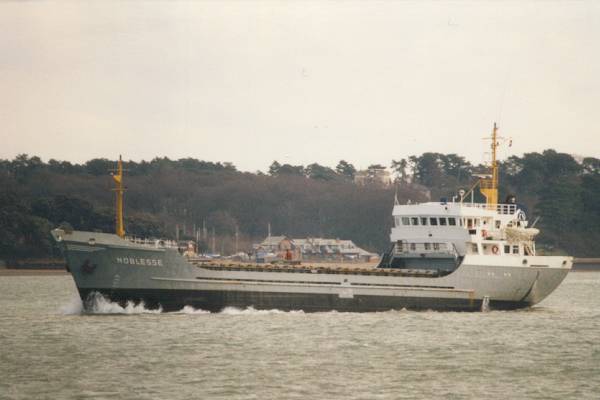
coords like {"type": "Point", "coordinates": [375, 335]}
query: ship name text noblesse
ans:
{"type": "Point", "coordinates": [151, 262]}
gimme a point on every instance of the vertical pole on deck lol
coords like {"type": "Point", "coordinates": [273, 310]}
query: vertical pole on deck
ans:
{"type": "Point", "coordinates": [118, 179]}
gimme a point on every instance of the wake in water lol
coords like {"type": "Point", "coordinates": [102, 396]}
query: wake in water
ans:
{"type": "Point", "coordinates": [191, 311]}
{"type": "Point", "coordinates": [98, 304]}
{"type": "Point", "coordinates": [252, 311]}
{"type": "Point", "coordinates": [74, 307]}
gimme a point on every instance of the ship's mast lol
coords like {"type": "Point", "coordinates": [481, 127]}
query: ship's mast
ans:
{"type": "Point", "coordinates": [118, 178]}
{"type": "Point", "coordinates": [489, 185]}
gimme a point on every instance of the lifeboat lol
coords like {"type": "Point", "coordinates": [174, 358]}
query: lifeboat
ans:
{"type": "Point", "coordinates": [521, 234]}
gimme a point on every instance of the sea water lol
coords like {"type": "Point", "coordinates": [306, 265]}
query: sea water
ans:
{"type": "Point", "coordinates": [51, 349]}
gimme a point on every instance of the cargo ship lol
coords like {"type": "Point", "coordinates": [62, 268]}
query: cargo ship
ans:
{"type": "Point", "coordinates": [454, 255]}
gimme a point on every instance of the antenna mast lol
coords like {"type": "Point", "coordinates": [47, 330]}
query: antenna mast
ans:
{"type": "Point", "coordinates": [489, 185]}
{"type": "Point", "coordinates": [118, 178]}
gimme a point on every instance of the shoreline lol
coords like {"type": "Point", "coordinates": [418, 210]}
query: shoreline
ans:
{"type": "Point", "coordinates": [32, 272]}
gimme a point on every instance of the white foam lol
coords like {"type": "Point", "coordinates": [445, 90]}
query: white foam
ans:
{"type": "Point", "coordinates": [253, 311]}
{"type": "Point", "coordinates": [74, 307]}
{"type": "Point", "coordinates": [99, 304]}
{"type": "Point", "coordinates": [191, 310]}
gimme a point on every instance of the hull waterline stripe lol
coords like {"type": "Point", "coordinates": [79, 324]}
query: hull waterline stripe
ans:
{"type": "Point", "coordinates": [324, 283]}
{"type": "Point", "coordinates": [312, 284]}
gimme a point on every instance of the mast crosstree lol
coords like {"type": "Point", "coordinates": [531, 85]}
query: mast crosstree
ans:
{"type": "Point", "coordinates": [488, 186]}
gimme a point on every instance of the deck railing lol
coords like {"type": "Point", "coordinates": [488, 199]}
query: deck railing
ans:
{"type": "Point", "coordinates": [507, 209]}
{"type": "Point", "coordinates": [157, 243]}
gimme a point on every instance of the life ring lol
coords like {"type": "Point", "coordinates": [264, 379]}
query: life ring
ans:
{"type": "Point", "coordinates": [495, 249]}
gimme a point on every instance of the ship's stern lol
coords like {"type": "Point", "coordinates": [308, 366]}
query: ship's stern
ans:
{"type": "Point", "coordinates": [551, 271]}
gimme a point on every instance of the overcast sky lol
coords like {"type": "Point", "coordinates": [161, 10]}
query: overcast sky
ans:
{"type": "Point", "coordinates": [299, 82]}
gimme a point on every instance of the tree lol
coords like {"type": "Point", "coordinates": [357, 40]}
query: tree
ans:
{"type": "Point", "coordinates": [288, 169]}
{"type": "Point", "coordinates": [374, 167]}
{"type": "Point", "coordinates": [23, 166]}
{"type": "Point", "coordinates": [345, 169]}
{"type": "Point", "coordinates": [456, 166]}
{"type": "Point", "coordinates": [274, 168]}
{"type": "Point", "coordinates": [319, 172]}
{"type": "Point", "coordinates": [22, 234]}
{"type": "Point", "coordinates": [428, 169]}
{"type": "Point", "coordinates": [591, 205]}
{"type": "Point", "coordinates": [222, 221]}
{"type": "Point", "coordinates": [591, 165]}
{"type": "Point", "coordinates": [559, 204]}
{"type": "Point", "coordinates": [62, 167]}
{"type": "Point", "coordinates": [99, 166]}
{"type": "Point", "coordinates": [37, 196]}
{"type": "Point", "coordinates": [560, 165]}
{"type": "Point", "coordinates": [399, 168]}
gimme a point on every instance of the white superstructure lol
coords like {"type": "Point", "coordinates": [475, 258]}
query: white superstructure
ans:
{"type": "Point", "coordinates": [444, 235]}
{"type": "Point", "coordinates": [471, 228]}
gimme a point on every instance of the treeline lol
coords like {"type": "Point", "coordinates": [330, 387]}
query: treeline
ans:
{"type": "Point", "coordinates": [189, 197]}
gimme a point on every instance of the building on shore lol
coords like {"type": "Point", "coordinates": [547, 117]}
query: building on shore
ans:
{"type": "Point", "coordinates": [374, 175]}
{"type": "Point", "coordinates": [310, 249]}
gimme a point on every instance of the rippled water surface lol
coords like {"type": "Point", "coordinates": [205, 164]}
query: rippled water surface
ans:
{"type": "Point", "coordinates": [48, 349]}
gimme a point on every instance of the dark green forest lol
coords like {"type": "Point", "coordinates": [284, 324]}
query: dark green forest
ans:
{"type": "Point", "coordinates": [169, 198]}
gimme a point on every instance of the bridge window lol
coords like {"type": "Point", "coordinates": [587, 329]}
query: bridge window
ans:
{"type": "Point", "coordinates": [427, 246]}
{"type": "Point", "coordinates": [516, 249]}
{"type": "Point", "coordinates": [452, 221]}
{"type": "Point", "coordinates": [413, 246]}
{"type": "Point", "coordinates": [414, 221]}
{"type": "Point", "coordinates": [469, 223]}
{"type": "Point", "coordinates": [498, 223]}
{"type": "Point", "coordinates": [436, 246]}
{"type": "Point", "coordinates": [405, 221]}
{"type": "Point", "coordinates": [423, 220]}
{"type": "Point", "coordinates": [507, 249]}
{"type": "Point", "coordinates": [433, 221]}
{"type": "Point", "coordinates": [443, 221]}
